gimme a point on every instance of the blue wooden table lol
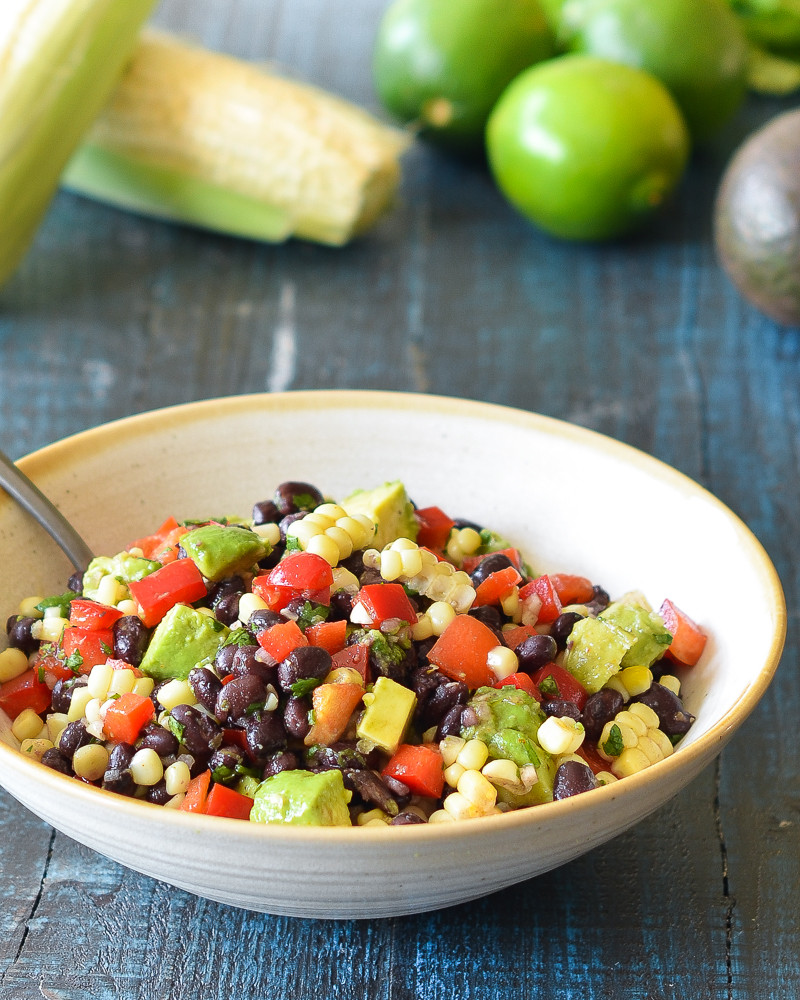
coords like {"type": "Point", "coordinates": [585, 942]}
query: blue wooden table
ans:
{"type": "Point", "coordinates": [645, 341]}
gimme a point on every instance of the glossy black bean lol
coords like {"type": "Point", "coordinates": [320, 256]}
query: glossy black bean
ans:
{"type": "Point", "coordinates": [72, 738]}
{"type": "Point", "coordinates": [599, 602]}
{"type": "Point", "coordinates": [248, 660]}
{"type": "Point", "coordinates": [265, 733]}
{"type": "Point", "coordinates": [55, 759]}
{"type": "Point", "coordinates": [265, 512]}
{"type": "Point", "coordinates": [224, 588]}
{"type": "Point", "coordinates": [205, 686]}
{"type": "Point", "coordinates": [240, 697]}
{"type": "Point", "coordinates": [156, 737]}
{"type": "Point", "coordinates": [341, 606]}
{"type": "Point", "coordinates": [262, 619]}
{"type": "Point", "coordinates": [121, 756]}
{"type": "Point", "coordinates": [158, 793]}
{"type": "Point", "coordinates": [562, 626]}
{"type": "Point", "coordinates": [369, 576]}
{"type": "Point", "coordinates": [370, 789]}
{"type": "Point", "coordinates": [223, 764]}
{"type": "Point", "coordinates": [340, 755]}
{"type": "Point", "coordinates": [673, 719]}
{"type": "Point", "coordinates": [382, 666]}
{"type": "Point", "coordinates": [461, 522]}
{"type": "Point", "coordinates": [303, 663]}
{"type": "Point", "coordinates": [599, 709]}
{"type": "Point", "coordinates": [535, 651]}
{"type": "Point", "coordinates": [405, 819]}
{"type": "Point", "coordinates": [61, 695]}
{"type": "Point", "coordinates": [131, 637]}
{"type": "Point", "coordinates": [444, 697]}
{"type": "Point", "coordinates": [295, 717]}
{"type": "Point", "coordinates": [75, 582]}
{"type": "Point", "coordinates": [573, 778]}
{"type": "Point", "coordinates": [18, 628]}
{"type": "Point", "coordinates": [424, 680]}
{"type": "Point", "coordinates": [226, 609]}
{"type": "Point", "coordinates": [491, 617]}
{"type": "Point", "coordinates": [488, 565]}
{"type": "Point", "coordinates": [224, 659]}
{"type": "Point", "coordinates": [423, 647]}
{"type": "Point", "coordinates": [200, 734]}
{"type": "Point", "coordinates": [354, 562]}
{"type": "Point", "coordinates": [451, 723]}
{"type": "Point", "coordinates": [401, 793]}
{"type": "Point", "coordinates": [119, 780]}
{"type": "Point", "coordinates": [561, 709]}
{"type": "Point", "coordinates": [291, 497]}
{"type": "Point", "coordinates": [284, 760]}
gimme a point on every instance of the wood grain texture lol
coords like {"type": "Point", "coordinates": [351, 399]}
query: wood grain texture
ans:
{"type": "Point", "coordinates": [646, 341]}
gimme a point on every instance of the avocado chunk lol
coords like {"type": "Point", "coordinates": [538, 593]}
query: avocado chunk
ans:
{"type": "Point", "coordinates": [124, 566]}
{"type": "Point", "coordinates": [220, 550]}
{"type": "Point", "coordinates": [647, 629]}
{"type": "Point", "coordinates": [389, 507]}
{"type": "Point", "coordinates": [183, 640]}
{"type": "Point", "coordinates": [388, 713]}
{"type": "Point", "coordinates": [302, 798]}
{"type": "Point", "coordinates": [595, 651]}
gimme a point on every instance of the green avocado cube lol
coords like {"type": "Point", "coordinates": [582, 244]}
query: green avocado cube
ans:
{"type": "Point", "coordinates": [647, 629]}
{"type": "Point", "coordinates": [387, 715]}
{"type": "Point", "coordinates": [595, 651]}
{"type": "Point", "coordinates": [302, 798]}
{"type": "Point", "coordinates": [390, 509]}
{"type": "Point", "coordinates": [183, 640]}
{"type": "Point", "coordinates": [220, 550]}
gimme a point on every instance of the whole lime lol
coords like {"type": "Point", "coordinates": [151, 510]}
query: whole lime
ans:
{"type": "Point", "coordinates": [757, 219]}
{"type": "Point", "coordinates": [442, 64]}
{"type": "Point", "coordinates": [586, 148]}
{"type": "Point", "coordinates": [697, 48]}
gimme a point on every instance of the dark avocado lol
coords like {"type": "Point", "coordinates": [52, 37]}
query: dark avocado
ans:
{"type": "Point", "coordinates": [757, 219]}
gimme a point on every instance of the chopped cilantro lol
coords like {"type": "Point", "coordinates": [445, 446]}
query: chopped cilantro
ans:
{"type": "Point", "coordinates": [614, 746]}
{"type": "Point", "coordinates": [304, 501]}
{"type": "Point", "coordinates": [239, 637]}
{"type": "Point", "coordinates": [293, 544]}
{"type": "Point", "coordinates": [176, 728]}
{"type": "Point", "coordinates": [312, 614]}
{"type": "Point", "coordinates": [222, 774]}
{"type": "Point", "coordinates": [253, 707]}
{"type": "Point", "coordinates": [40, 675]}
{"type": "Point", "coordinates": [304, 686]}
{"type": "Point", "coordinates": [60, 601]}
{"type": "Point", "coordinates": [549, 687]}
{"type": "Point", "coordinates": [74, 662]}
{"type": "Point", "coordinates": [106, 649]}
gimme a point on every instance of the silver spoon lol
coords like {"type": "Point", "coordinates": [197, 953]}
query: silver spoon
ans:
{"type": "Point", "coordinates": [28, 496]}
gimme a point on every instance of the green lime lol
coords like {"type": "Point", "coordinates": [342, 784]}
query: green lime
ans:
{"type": "Point", "coordinates": [442, 64]}
{"type": "Point", "coordinates": [586, 148]}
{"type": "Point", "coordinates": [697, 48]}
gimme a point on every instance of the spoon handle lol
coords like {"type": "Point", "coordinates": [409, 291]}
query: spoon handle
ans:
{"type": "Point", "coordinates": [28, 496]}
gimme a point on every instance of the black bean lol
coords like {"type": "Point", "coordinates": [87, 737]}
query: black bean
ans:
{"type": "Point", "coordinates": [158, 793]}
{"type": "Point", "coordinates": [295, 717]}
{"type": "Point", "coordinates": [401, 793]}
{"type": "Point", "coordinates": [405, 819]}
{"type": "Point", "coordinates": [369, 576]}
{"type": "Point", "coordinates": [451, 723]}
{"type": "Point", "coordinates": [488, 565]}
{"type": "Point", "coordinates": [18, 628]}
{"type": "Point", "coordinates": [340, 755]}
{"type": "Point", "coordinates": [248, 661]}
{"type": "Point", "coordinates": [599, 602]}
{"type": "Point", "coordinates": [303, 663]}
{"type": "Point", "coordinates": [156, 737]}
{"type": "Point", "coordinates": [224, 588]}
{"type": "Point", "coordinates": [240, 697]}
{"type": "Point", "coordinates": [201, 734]}
{"type": "Point", "coordinates": [354, 562]}
{"type": "Point", "coordinates": [284, 760]}
{"type": "Point", "coordinates": [291, 497]}
{"type": "Point", "coordinates": [55, 759]}
{"type": "Point", "coordinates": [573, 778]}
{"type": "Point", "coordinates": [121, 756]}
{"type": "Point", "coordinates": [61, 695]}
{"type": "Point", "coordinates": [341, 606]}
{"type": "Point", "coordinates": [562, 626]}
{"type": "Point", "coordinates": [223, 764]}
{"type": "Point", "coordinates": [224, 659]}
{"type": "Point", "coordinates": [444, 697]}
{"type": "Point", "coordinates": [370, 788]}
{"type": "Point", "coordinates": [265, 734]}
{"type": "Point", "coordinates": [205, 686]}
{"type": "Point", "coordinates": [463, 523]}
{"type": "Point", "coordinates": [72, 738]}
{"type": "Point", "coordinates": [673, 719]}
{"type": "Point", "coordinates": [599, 709]}
{"type": "Point", "coordinates": [265, 512]}
{"type": "Point", "coordinates": [226, 610]}
{"type": "Point", "coordinates": [535, 651]}
{"type": "Point", "coordinates": [262, 619]}
{"type": "Point", "coordinates": [119, 780]}
{"type": "Point", "coordinates": [491, 617]}
{"type": "Point", "coordinates": [131, 637]}
{"type": "Point", "coordinates": [75, 583]}
{"type": "Point", "coordinates": [561, 708]}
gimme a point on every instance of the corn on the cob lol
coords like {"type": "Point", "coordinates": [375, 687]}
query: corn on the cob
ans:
{"type": "Point", "coordinates": [59, 62]}
{"type": "Point", "coordinates": [632, 740]}
{"type": "Point", "coordinates": [213, 141]}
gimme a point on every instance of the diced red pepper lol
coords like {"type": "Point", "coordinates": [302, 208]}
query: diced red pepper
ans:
{"type": "Point", "coordinates": [279, 640]}
{"type": "Point", "coordinates": [197, 793]}
{"type": "Point", "coordinates": [179, 582]}
{"type": "Point", "coordinates": [162, 546]}
{"type": "Point", "coordinates": [117, 664]}
{"type": "Point", "coordinates": [235, 737]}
{"type": "Point", "coordinates": [542, 587]}
{"type": "Point", "coordinates": [592, 758]}
{"type": "Point", "coordinates": [224, 801]}
{"type": "Point", "coordinates": [434, 527]}
{"type": "Point", "coordinates": [127, 716]}
{"type": "Point", "coordinates": [572, 589]}
{"type": "Point", "coordinates": [512, 637]}
{"type": "Point", "coordinates": [301, 574]}
{"type": "Point", "coordinates": [332, 705]}
{"type": "Point", "coordinates": [562, 687]}
{"type": "Point", "coordinates": [524, 682]}
{"type": "Point", "coordinates": [53, 667]}
{"type": "Point", "coordinates": [92, 615]}
{"type": "Point", "coordinates": [329, 635]}
{"type": "Point", "coordinates": [383, 601]}
{"type": "Point", "coordinates": [25, 691]}
{"type": "Point", "coordinates": [469, 563]}
{"type": "Point", "coordinates": [688, 639]}
{"type": "Point", "coordinates": [419, 767]}
{"type": "Point", "coordinates": [496, 587]}
{"type": "Point", "coordinates": [92, 645]}
{"type": "Point", "coordinates": [355, 656]}
{"type": "Point", "coordinates": [461, 650]}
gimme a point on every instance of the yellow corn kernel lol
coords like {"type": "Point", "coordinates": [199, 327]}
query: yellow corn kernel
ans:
{"type": "Point", "coordinates": [28, 607]}
{"type": "Point", "coordinates": [49, 629]}
{"type": "Point", "coordinates": [478, 790]}
{"type": "Point", "coordinates": [663, 741]}
{"type": "Point", "coordinates": [146, 767]}
{"type": "Point", "coordinates": [441, 614]}
{"type": "Point", "coordinates": [175, 692]}
{"type": "Point", "coordinates": [645, 713]}
{"type": "Point", "coordinates": [110, 591]}
{"type": "Point", "coordinates": [502, 661]}
{"type": "Point", "coordinates": [636, 679]}
{"type": "Point", "coordinates": [462, 542]}
{"type": "Point", "coordinates": [670, 681]}
{"type": "Point", "coordinates": [144, 686]}
{"type": "Point", "coordinates": [81, 696]}
{"type": "Point", "coordinates": [248, 603]}
{"type": "Point", "coordinates": [650, 749]}
{"type": "Point", "coordinates": [422, 628]}
{"type": "Point", "coordinates": [36, 748]}
{"type": "Point", "coordinates": [502, 772]}
{"type": "Point", "coordinates": [460, 807]}
{"type": "Point", "coordinates": [324, 546]}
{"type": "Point", "coordinates": [177, 777]}
{"type": "Point", "coordinates": [27, 725]}
{"type": "Point", "coordinates": [90, 761]}
{"type": "Point", "coordinates": [450, 747]}
{"type": "Point", "coordinates": [629, 762]}
{"type": "Point", "coordinates": [344, 580]}
{"type": "Point", "coordinates": [128, 607]}
{"type": "Point", "coordinates": [391, 565]}
{"type": "Point", "coordinates": [453, 772]}
{"type": "Point", "coordinates": [560, 735]}
{"type": "Point", "coordinates": [269, 533]}
{"type": "Point", "coordinates": [372, 816]}
{"type": "Point", "coordinates": [100, 678]}
{"type": "Point", "coordinates": [441, 816]}
{"type": "Point", "coordinates": [122, 682]}
{"type": "Point", "coordinates": [56, 724]}
{"type": "Point", "coordinates": [473, 755]}
{"type": "Point", "coordinates": [13, 663]}
{"type": "Point", "coordinates": [632, 720]}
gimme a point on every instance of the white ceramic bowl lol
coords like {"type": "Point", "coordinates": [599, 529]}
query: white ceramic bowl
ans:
{"type": "Point", "coordinates": [572, 500]}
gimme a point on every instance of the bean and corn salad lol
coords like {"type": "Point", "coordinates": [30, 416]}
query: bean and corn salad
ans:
{"type": "Point", "coordinates": [369, 662]}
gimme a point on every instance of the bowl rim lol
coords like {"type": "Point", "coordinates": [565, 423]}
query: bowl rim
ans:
{"type": "Point", "coordinates": [691, 758]}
